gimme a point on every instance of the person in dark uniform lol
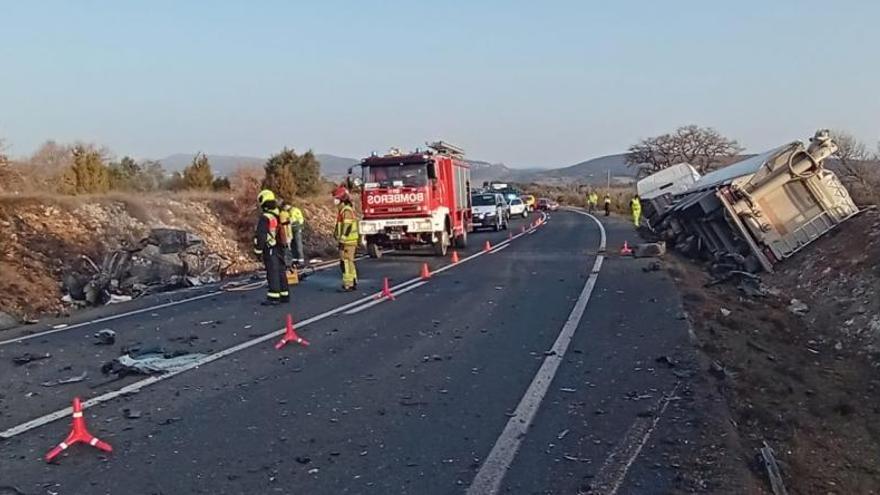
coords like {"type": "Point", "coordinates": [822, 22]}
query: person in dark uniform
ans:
{"type": "Point", "coordinates": [269, 245]}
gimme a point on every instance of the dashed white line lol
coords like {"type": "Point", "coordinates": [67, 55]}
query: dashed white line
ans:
{"type": "Point", "coordinates": [491, 474]}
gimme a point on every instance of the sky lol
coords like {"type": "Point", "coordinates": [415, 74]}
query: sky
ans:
{"type": "Point", "coordinates": [522, 82]}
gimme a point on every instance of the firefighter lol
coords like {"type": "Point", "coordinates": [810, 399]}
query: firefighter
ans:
{"type": "Point", "coordinates": [269, 245]}
{"type": "Point", "coordinates": [347, 237]}
{"type": "Point", "coordinates": [293, 221]}
{"type": "Point", "coordinates": [593, 200]}
{"type": "Point", "coordinates": [636, 206]}
{"type": "Point", "coordinates": [607, 204]}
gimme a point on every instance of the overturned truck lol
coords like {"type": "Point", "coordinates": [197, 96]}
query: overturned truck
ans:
{"type": "Point", "coordinates": [761, 210]}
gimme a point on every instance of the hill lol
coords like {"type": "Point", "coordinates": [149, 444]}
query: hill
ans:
{"type": "Point", "coordinates": [590, 171]}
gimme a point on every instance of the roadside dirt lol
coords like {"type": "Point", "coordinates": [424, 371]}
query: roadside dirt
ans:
{"type": "Point", "coordinates": [42, 237]}
{"type": "Point", "coordinates": [806, 381]}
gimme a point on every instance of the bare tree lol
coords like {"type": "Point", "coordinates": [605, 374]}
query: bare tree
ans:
{"type": "Point", "coordinates": [702, 147]}
{"type": "Point", "coordinates": [853, 158]}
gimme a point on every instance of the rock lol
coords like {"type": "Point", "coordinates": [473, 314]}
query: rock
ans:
{"type": "Point", "coordinates": [725, 312]}
{"type": "Point", "coordinates": [7, 321]}
{"type": "Point", "coordinates": [105, 337]}
{"type": "Point", "coordinates": [797, 307]}
{"type": "Point", "coordinates": [649, 249]}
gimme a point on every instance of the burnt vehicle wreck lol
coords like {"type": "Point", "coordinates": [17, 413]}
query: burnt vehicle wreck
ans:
{"type": "Point", "coordinates": [757, 212]}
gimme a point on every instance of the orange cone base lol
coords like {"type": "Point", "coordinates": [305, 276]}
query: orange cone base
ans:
{"type": "Point", "coordinates": [425, 273]}
{"type": "Point", "coordinates": [78, 434]}
{"type": "Point", "coordinates": [487, 247]}
{"type": "Point", "coordinates": [386, 291]}
{"type": "Point", "coordinates": [455, 257]}
{"type": "Point", "coordinates": [291, 336]}
{"type": "Point", "coordinates": [625, 250]}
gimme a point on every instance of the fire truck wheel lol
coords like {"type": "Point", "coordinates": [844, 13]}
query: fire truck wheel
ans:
{"type": "Point", "coordinates": [374, 250]}
{"type": "Point", "coordinates": [442, 244]}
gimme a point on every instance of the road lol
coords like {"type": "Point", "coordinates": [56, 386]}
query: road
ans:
{"type": "Point", "coordinates": [532, 368]}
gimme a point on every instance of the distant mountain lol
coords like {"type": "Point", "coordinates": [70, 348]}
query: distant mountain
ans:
{"type": "Point", "coordinates": [595, 170]}
{"type": "Point", "coordinates": [331, 165]}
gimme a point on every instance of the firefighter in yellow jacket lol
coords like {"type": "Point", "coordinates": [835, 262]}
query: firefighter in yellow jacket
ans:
{"type": "Point", "coordinates": [636, 207]}
{"type": "Point", "coordinates": [293, 221]}
{"type": "Point", "coordinates": [269, 245]}
{"type": "Point", "coordinates": [347, 236]}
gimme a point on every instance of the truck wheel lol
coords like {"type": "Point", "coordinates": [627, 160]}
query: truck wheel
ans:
{"type": "Point", "coordinates": [374, 250]}
{"type": "Point", "coordinates": [442, 244]}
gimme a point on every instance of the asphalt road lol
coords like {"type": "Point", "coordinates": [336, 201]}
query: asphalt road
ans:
{"type": "Point", "coordinates": [406, 396]}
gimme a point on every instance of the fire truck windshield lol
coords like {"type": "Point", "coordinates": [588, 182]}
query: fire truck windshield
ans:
{"type": "Point", "coordinates": [408, 175]}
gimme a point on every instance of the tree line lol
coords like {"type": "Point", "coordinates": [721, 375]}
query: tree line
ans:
{"type": "Point", "coordinates": [87, 169]}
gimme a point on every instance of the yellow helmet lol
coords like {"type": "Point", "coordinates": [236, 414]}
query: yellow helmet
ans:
{"type": "Point", "coordinates": [264, 196]}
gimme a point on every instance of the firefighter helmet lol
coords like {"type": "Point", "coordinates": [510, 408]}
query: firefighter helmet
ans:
{"type": "Point", "coordinates": [265, 196]}
{"type": "Point", "coordinates": [341, 193]}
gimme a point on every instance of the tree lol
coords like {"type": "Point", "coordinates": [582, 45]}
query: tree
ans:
{"type": "Point", "coordinates": [221, 184]}
{"type": "Point", "coordinates": [198, 175]}
{"type": "Point", "coordinates": [280, 174]}
{"type": "Point", "coordinates": [307, 174]}
{"type": "Point", "coordinates": [87, 175]}
{"type": "Point", "coordinates": [702, 147]}
{"type": "Point", "coordinates": [854, 161]}
{"type": "Point", "coordinates": [125, 174]}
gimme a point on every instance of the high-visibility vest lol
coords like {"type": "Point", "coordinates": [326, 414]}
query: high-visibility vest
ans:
{"type": "Point", "coordinates": [296, 216]}
{"type": "Point", "coordinates": [347, 225]}
{"type": "Point", "coordinates": [636, 205]}
{"type": "Point", "coordinates": [274, 232]}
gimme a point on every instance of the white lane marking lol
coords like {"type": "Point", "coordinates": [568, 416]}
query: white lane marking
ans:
{"type": "Point", "coordinates": [146, 382]}
{"type": "Point", "coordinates": [380, 301]}
{"type": "Point", "coordinates": [499, 248]}
{"type": "Point", "coordinates": [117, 316]}
{"type": "Point", "coordinates": [491, 474]}
{"type": "Point", "coordinates": [617, 465]}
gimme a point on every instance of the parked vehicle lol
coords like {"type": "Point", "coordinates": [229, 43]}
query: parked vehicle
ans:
{"type": "Point", "coordinates": [545, 204]}
{"type": "Point", "coordinates": [420, 198]}
{"type": "Point", "coordinates": [490, 210]}
{"type": "Point", "coordinates": [553, 205]}
{"type": "Point", "coordinates": [530, 201]}
{"type": "Point", "coordinates": [518, 207]}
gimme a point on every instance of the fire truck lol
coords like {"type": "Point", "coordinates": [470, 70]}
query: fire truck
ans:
{"type": "Point", "coordinates": [416, 199]}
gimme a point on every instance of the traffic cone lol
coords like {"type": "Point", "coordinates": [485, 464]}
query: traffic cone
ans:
{"type": "Point", "coordinates": [455, 257]}
{"type": "Point", "coordinates": [291, 336]}
{"type": "Point", "coordinates": [386, 291]}
{"type": "Point", "coordinates": [487, 247]}
{"type": "Point", "coordinates": [426, 273]}
{"type": "Point", "coordinates": [78, 434]}
{"type": "Point", "coordinates": [523, 229]}
{"type": "Point", "coordinates": [625, 250]}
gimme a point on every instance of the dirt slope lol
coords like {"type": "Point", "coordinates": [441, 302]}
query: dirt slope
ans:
{"type": "Point", "coordinates": [802, 378]}
{"type": "Point", "coordinates": [41, 238]}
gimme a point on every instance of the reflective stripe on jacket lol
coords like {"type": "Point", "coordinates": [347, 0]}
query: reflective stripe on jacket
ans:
{"type": "Point", "coordinates": [346, 225]}
{"type": "Point", "coordinates": [267, 231]}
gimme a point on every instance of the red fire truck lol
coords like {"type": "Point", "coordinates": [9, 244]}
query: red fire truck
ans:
{"type": "Point", "coordinates": [417, 199]}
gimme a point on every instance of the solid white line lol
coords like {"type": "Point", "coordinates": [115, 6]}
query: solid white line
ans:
{"type": "Point", "coordinates": [499, 248]}
{"type": "Point", "coordinates": [613, 471]}
{"type": "Point", "coordinates": [380, 301]}
{"type": "Point", "coordinates": [491, 474]}
{"type": "Point", "coordinates": [146, 382]}
{"type": "Point", "coordinates": [134, 312]}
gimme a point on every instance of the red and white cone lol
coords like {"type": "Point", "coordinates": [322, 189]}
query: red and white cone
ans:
{"type": "Point", "coordinates": [487, 247]}
{"type": "Point", "coordinates": [625, 250]}
{"type": "Point", "coordinates": [455, 257]}
{"type": "Point", "coordinates": [386, 291]}
{"type": "Point", "coordinates": [425, 274]}
{"type": "Point", "coordinates": [78, 434]}
{"type": "Point", "coordinates": [291, 336]}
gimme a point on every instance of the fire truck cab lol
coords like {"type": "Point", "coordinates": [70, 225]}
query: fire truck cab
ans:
{"type": "Point", "coordinates": [416, 199]}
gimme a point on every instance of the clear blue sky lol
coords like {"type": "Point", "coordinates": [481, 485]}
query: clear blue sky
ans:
{"type": "Point", "coordinates": [524, 82]}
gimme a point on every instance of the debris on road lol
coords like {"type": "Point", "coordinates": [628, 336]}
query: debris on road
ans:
{"type": "Point", "coordinates": [668, 361]}
{"type": "Point", "coordinates": [150, 362]}
{"type": "Point", "coordinates": [725, 312]}
{"type": "Point", "coordinates": [649, 249]}
{"type": "Point", "coordinates": [28, 357]}
{"type": "Point", "coordinates": [798, 307]}
{"type": "Point", "coordinates": [562, 434]}
{"type": "Point", "coordinates": [65, 381]}
{"type": "Point", "coordinates": [131, 413]}
{"type": "Point", "coordinates": [105, 337]}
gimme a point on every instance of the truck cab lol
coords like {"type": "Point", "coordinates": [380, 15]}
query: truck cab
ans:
{"type": "Point", "coordinates": [416, 199]}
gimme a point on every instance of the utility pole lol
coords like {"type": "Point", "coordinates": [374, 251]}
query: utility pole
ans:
{"type": "Point", "coordinates": [609, 179]}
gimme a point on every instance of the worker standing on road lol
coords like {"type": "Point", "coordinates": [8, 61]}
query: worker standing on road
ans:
{"type": "Point", "coordinates": [607, 204]}
{"type": "Point", "coordinates": [294, 222]}
{"type": "Point", "coordinates": [593, 200]}
{"type": "Point", "coordinates": [347, 237]}
{"type": "Point", "coordinates": [636, 206]}
{"type": "Point", "coordinates": [269, 245]}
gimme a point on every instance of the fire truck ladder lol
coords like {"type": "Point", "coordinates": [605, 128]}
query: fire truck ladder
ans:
{"type": "Point", "coordinates": [444, 148]}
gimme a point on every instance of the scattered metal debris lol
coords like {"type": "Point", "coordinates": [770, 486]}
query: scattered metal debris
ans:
{"type": "Point", "coordinates": [798, 307]}
{"type": "Point", "coordinates": [65, 381]}
{"type": "Point", "coordinates": [773, 472]}
{"type": "Point", "coordinates": [28, 357]}
{"type": "Point", "coordinates": [105, 337]}
{"type": "Point", "coordinates": [150, 362]}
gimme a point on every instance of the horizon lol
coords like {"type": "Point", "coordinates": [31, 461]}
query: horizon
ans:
{"type": "Point", "coordinates": [528, 86]}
